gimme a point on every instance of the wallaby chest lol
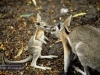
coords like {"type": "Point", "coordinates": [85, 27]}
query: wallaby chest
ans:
{"type": "Point", "coordinates": [65, 40]}
{"type": "Point", "coordinates": [39, 34]}
{"type": "Point", "coordinates": [87, 34]}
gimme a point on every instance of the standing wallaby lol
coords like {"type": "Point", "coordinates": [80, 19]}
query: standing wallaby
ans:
{"type": "Point", "coordinates": [35, 45]}
{"type": "Point", "coordinates": [84, 41]}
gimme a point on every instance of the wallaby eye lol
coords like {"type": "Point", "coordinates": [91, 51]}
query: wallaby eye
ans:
{"type": "Point", "coordinates": [53, 30]}
{"type": "Point", "coordinates": [38, 23]}
{"type": "Point", "coordinates": [45, 26]}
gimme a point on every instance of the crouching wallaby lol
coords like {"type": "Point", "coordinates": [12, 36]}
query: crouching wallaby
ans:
{"type": "Point", "coordinates": [84, 41]}
{"type": "Point", "coordinates": [35, 45]}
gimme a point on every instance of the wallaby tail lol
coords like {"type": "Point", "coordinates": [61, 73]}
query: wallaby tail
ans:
{"type": "Point", "coordinates": [20, 61]}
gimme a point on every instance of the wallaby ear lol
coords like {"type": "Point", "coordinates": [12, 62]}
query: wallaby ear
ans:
{"type": "Point", "coordinates": [67, 21]}
{"type": "Point", "coordinates": [38, 17]}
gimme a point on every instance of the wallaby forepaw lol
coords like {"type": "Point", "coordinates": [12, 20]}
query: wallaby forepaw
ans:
{"type": "Point", "coordinates": [45, 42]}
{"type": "Point", "coordinates": [47, 39]}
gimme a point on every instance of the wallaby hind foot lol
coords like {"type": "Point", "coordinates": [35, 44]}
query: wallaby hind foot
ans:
{"type": "Point", "coordinates": [49, 56]}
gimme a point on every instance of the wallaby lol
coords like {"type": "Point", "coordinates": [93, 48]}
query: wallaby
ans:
{"type": "Point", "coordinates": [84, 41]}
{"type": "Point", "coordinates": [35, 45]}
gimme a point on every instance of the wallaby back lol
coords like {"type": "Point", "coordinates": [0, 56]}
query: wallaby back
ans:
{"type": "Point", "coordinates": [88, 38]}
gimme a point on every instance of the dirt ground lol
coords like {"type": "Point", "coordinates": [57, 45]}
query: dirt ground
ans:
{"type": "Point", "coordinates": [17, 26]}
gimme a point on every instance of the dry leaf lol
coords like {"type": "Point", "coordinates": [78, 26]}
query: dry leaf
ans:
{"type": "Point", "coordinates": [34, 1]}
{"type": "Point", "coordinates": [54, 21]}
{"type": "Point", "coordinates": [26, 15]}
{"type": "Point", "coordinates": [79, 14]}
{"type": "Point", "coordinates": [19, 52]}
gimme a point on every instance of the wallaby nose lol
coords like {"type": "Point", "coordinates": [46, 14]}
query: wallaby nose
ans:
{"type": "Point", "coordinates": [38, 23]}
{"type": "Point", "coordinates": [45, 26]}
{"type": "Point", "coordinates": [52, 29]}
{"type": "Point", "coordinates": [48, 27]}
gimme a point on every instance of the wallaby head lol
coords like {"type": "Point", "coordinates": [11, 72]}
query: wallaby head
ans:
{"type": "Point", "coordinates": [40, 24]}
{"type": "Point", "coordinates": [57, 30]}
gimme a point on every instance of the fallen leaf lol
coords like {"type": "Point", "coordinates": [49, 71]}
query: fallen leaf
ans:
{"type": "Point", "coordinates": [19, 52]}
{"type": "Point", "coordinates": [51, 45]}
{"type": "Point", "coordinates": [79, 14]}
{"type": "Point", "coordinates": [54, 21]}
{"type": "Point", "coordinates": [26, 15]}
{"type": "Point", "coordinates": [34, 1]}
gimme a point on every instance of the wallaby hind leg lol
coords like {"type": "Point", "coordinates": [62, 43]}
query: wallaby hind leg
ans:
{"type": "Point", "coordinates": [79, 70]}
{"type": "Point", "coordinates": [35, 58]}
{"type": "Point", "coordinates": [49, 56]}
{"type": "Point", "coordinates": [81, 51]}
